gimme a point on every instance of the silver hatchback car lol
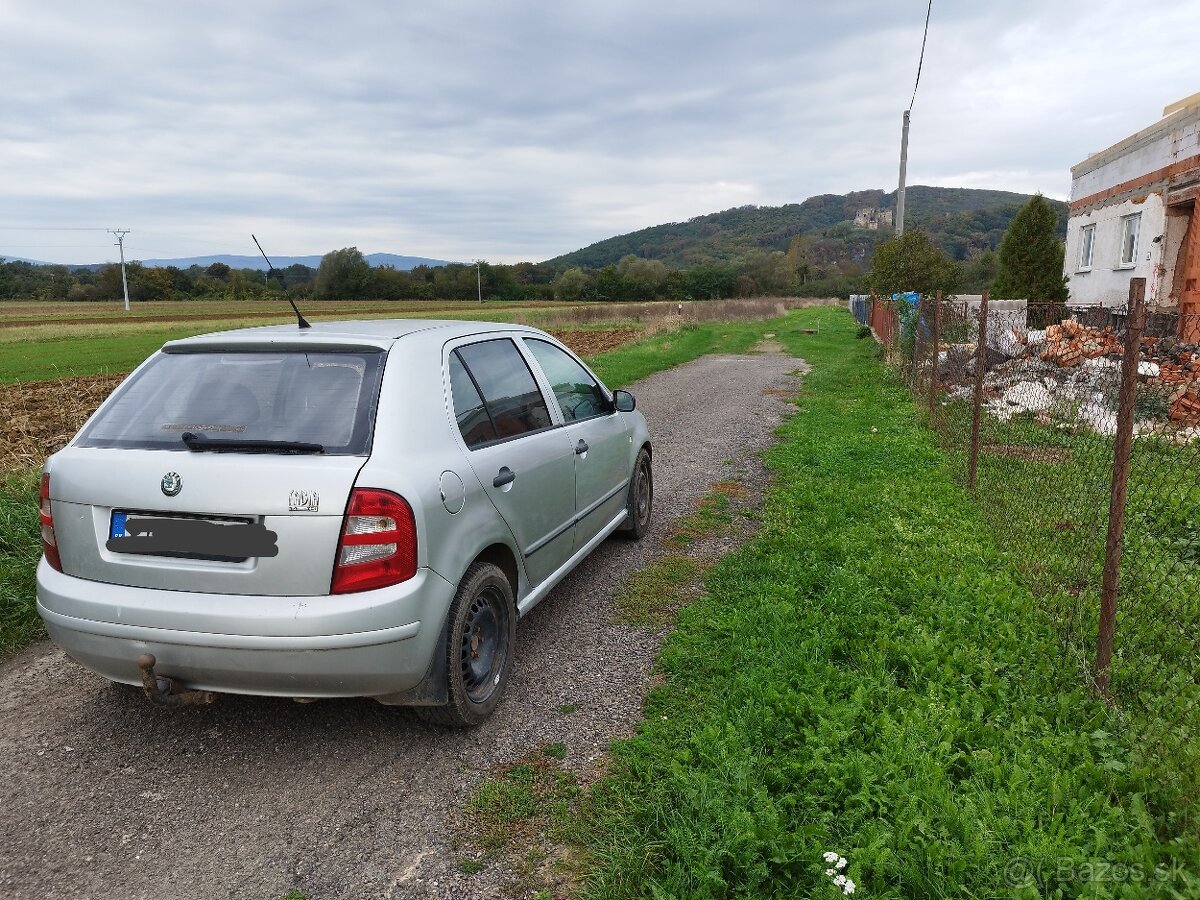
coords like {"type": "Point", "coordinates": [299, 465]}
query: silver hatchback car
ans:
{"type": "Point", "coordinates": [354, 509]}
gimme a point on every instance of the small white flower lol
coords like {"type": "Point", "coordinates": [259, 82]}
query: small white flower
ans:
{"type": "Point", "coordinates": [848, 887]}
{"type": "Point", "coordinates": [841, 863]}
{"type": "Point", "coordinates": [831, 872]}
{"type": "Point", "coordinates": [840, 880]}
{"type": "Point", "coordinates": [874, 430]}
{"type": "Point", "coordinates": [829, 856]}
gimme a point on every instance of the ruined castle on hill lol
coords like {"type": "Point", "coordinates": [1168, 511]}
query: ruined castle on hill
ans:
{"type": "Point", "coordinates": [872, 218]}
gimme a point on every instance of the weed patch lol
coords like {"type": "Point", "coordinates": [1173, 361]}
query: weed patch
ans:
{"type": "Point", "coordinates": [653, 595]}
{"type": "Point", "coordinates": [520, 816]}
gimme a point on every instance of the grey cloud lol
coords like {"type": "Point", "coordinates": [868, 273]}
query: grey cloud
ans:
{"type": "Point", "coordinates": [525, 130]}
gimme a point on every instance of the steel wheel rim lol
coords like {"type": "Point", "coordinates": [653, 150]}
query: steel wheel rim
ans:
{"type": "Point", "coordinates": [483, 649]}
{"type": "Point", "coordinates": [643, 494]}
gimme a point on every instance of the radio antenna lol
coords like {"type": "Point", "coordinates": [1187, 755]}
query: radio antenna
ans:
{"type": "Point", "coordinates": [300, 320]}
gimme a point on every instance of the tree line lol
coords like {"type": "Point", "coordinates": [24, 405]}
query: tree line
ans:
{"type": "Point", "coordinates": [346, 275]}
{"type": "Point", "coordinates": [909, 262]}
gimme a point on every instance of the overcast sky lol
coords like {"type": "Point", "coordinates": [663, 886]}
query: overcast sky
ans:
{"type": "Point", "coordinates": [522, 130]}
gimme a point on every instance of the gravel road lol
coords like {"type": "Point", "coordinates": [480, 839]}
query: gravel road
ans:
{"type": "Point", "coordinates": [102, 795]}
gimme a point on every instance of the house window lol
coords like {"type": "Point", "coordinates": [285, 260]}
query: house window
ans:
{"type": "Point", "coordinates": [1130, 225]}
{"type": "Point", "coordinates": [1087, 243]}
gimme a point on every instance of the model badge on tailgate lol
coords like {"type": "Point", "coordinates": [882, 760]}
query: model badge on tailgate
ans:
{"type": "Point", "coordinates": [304, 501]}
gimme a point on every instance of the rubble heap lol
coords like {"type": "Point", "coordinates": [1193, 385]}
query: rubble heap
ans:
{"type": "Point", "coordinates": [1170, 367]}
{"type": "Point", "coordinates": [1182, 377]}
{"type": "Point", "coordinates": [1071, 373]}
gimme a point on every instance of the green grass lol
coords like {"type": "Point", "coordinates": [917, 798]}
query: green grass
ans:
{"type": "Point", "coordinates": [870, 675]}
{"type": "Point", "coordinates": [68, 357]}
{"type": "Point", "coordinates": [20, 548]}
{"type": "Point", "coordinates": [626, 365]}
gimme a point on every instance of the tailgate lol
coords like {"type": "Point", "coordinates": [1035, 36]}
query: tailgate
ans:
{"type": "Point", "coordinates": [225, 523]}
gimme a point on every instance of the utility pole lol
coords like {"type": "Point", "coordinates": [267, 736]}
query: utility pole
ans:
{"type": "Point", "coordinates": [120, 233]}
{"type": "Point", "coordinates": [903, 168]}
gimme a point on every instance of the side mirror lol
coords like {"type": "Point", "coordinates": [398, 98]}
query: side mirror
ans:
{"type": "Point", "coordinates": [624, 401]}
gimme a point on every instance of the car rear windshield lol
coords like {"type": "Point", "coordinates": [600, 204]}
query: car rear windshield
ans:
{"type": "Point", "coordinates": [259, 400]}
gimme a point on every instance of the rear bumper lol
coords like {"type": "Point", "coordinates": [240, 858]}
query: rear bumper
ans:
{"type": "Point", "coordinates": [242, 659]}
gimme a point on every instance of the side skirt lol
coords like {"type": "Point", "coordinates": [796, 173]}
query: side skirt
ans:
{"type": "Point", "coordinates": [534, 597]}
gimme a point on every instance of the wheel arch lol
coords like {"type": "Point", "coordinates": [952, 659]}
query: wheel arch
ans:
{"type": "Point", "coordinates": [501, 556]}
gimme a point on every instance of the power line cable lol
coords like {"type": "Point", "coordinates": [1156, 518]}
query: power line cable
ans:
{"type": "Point", "coordinates": [921, 62]}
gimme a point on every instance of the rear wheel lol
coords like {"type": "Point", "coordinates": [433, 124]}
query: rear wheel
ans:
{"type": "Point", "coordinates": [639, 505]}
{"type": "Point", "coordinates": [479, 647]}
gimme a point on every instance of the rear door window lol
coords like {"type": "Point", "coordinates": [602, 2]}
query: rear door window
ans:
{"type": "Point", "coordinates": [469, 411]}
{"type": "Point", "coordinates": [327, 399]}
{"type": "Point", "coordinates": [500, 377]}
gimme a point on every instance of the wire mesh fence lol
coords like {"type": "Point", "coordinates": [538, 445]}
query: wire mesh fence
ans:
{"type": "Point", "coordinates": [1079, 432]}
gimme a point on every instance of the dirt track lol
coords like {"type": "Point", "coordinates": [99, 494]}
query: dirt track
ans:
{"type": "Point", "coordinates": [103, 796]}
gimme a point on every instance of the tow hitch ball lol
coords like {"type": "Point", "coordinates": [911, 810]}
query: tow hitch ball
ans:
{"type": "Point", "coordinates": [164, 691]}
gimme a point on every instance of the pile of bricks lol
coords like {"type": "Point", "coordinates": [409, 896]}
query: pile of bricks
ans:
{"type": "Point", "coordinates": [1182, 378]}
{"type": "Point", "coordinates": [1070, 343]}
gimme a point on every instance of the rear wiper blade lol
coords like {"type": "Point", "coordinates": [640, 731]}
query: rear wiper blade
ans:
{"type": "Point", "coordinates": [198, 443]}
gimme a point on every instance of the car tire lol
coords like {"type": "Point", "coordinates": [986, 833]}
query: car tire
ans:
{"type": "Point", "coordinates": [481, 638]}
{"type": "Point", "coordinates": [639, 505]}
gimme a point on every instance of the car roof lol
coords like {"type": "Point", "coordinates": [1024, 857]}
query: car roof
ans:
{"type": "Point", "coordinates": [380, 333]}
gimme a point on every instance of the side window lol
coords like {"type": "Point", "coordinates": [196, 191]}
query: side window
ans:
{"type": "Point", "coordinates": [578, 394]}
{"type": "Point", "coordinates": [469, 411]}
{"type": "Point", "coordinates": [511, 398]}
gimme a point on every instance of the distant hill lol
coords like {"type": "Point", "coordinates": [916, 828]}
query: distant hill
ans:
{"type": "Point", "coordinates": [962, 221]}
{"type": "Point", "coordinates": [282, 262]}
{"type": "Point", "coordinates": [404, 263]}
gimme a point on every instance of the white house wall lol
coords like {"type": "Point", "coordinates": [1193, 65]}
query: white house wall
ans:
{"type": "Point", "coordinates": [1155, 172]}
{"type": "Point", "coordinates": [1107, 282]}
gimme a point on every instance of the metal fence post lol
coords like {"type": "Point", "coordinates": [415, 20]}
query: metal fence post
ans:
{"type": "Point", "coordinates": [977, 402]}
{"type": "Point", "coordinates": [933, 356]}
{"type": "Point", "coordinates": [1135, 324]}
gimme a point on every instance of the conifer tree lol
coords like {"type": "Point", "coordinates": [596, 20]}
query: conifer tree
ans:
{"type": "Point", "coordinates": [1031, 257]}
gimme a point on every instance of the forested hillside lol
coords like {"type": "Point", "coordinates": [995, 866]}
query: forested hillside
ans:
{"type": "Point", "coordinates": [962, 221]}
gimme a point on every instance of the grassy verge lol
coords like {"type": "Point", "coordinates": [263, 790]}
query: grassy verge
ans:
{"type": "Point", "coordinates": [870, 676]}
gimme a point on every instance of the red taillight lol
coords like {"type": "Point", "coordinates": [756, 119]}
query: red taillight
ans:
{"type": "Point", "coordinates": [378, 546]}
{"type": "Point", "coordinates": [49, 541]}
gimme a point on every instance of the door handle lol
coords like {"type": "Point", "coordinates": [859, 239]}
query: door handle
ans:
{"type": "Point", "coordinates": [504, 476]}
{"type": "Point", "coordinates": [581, 447]}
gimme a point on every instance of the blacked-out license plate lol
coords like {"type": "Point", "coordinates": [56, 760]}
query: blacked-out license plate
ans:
{"type": "Point", "coordinates": [193, 538]}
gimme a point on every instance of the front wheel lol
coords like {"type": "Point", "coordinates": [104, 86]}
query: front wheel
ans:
{"type": "Point", "coordinates": [479, 647]}
{"type": "Point", "coordinates": [639, 505]}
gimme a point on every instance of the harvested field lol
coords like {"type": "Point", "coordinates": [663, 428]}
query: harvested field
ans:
{"type": "Point", "coordinates": [39, 417]}
{"type": "Point", "coordinates": [591, 343]}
